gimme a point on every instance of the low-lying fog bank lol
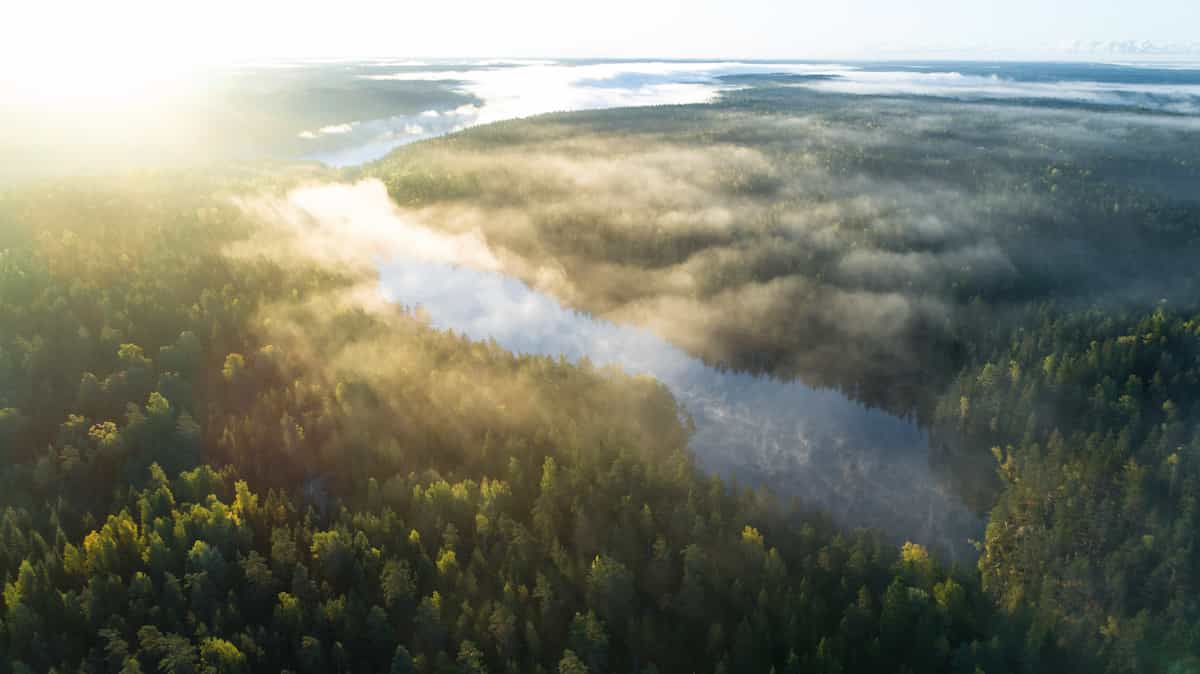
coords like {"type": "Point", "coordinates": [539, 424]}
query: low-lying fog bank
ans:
{"type": "Point", "coordinates": [864, 466]}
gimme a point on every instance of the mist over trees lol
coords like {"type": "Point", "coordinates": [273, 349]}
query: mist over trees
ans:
{"type": "Point", "coordinates": [222, 451]}
{"type": "Point", "coordinates": [1022, 277]}
{"type": "Point", "coordinates": [863, 243]}
{"type": "Point", "coordinates": [259, 111]}
{"type": "Point", "coordinates": [1091, 417]}
{"type": "Point", "coordinates": [219, 463]}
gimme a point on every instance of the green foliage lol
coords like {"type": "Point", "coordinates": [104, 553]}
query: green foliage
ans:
{"type": "Point", "coordinates": [219, 501]}
{"type": "Point", "coordinates": [868, 243]}
{"type": "Point", "coordinates": [221, 619]}
{"type": "Point", "coordinates": [1036, 290]}
{"type": "Point", "coordinates": [1092, 419]}
{"type": "Point", "coordinates": [210, 464]}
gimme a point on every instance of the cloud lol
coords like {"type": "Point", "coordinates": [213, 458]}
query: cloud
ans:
{"type": "Point", "coordinates": [352, 227]}
{"type": "Point", "coordinates": [519, 89]}
{"type": "Point", "coordinates": [988, 264]}
{"type": "Point", "coordinates": [331, 130]}
{"type": "Point", "coordinates": [868, 468]}
{"type": "Point", "coordinates": [573, 215]}
{"type": "Point", "coordinates": [1134, 48]}
{"type": "Point", "coordinates": [864, 466]}
{"type": "Point", "coordinates": [837, 239]}
{"type": "Point", "coordinates": [370, 140]}
{"type": "Point", "coordinates": [536, 87]}
{"type": "Point", "coordinates": [1178, 98]}
{"type": "Point", "coordinates": [334, 129]}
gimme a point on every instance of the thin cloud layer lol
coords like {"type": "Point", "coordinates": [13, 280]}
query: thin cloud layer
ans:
{"type": "Point", "coordinates": [836, 238]}
{"type": "Point", "coordinates": [534, 88]}
{"type": "Point", "coordinates": [1176, 98]}
{"type": "Point", "coordinates": [814, 444]}
{"type": "Point", "coordinates": [865, 467]}
{"type": "Point", "coordinates": [518, 89]}
{"type": "Point", "coordinates": [513, 89]}
{"type": "Point", "coordinates": [352, 227]}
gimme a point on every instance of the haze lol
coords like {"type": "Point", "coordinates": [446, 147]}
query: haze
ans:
{"type": "Point", "coordinates": [640, 338]}
{"type": "Point", "coordinates": [67, 38]}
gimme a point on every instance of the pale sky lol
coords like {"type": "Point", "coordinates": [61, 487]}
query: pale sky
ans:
{"type": "Point", "coordinates": [222, 29]}
{"type": "Point", "coordinates": [80, 39]}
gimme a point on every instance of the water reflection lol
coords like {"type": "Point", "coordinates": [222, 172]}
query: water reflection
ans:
{"type": "Point", "coordinates": [866, 467]}
{"type": "Point", "coordinates": [511, 90]}
{"type": "Point", "coordinates": [363, 142]}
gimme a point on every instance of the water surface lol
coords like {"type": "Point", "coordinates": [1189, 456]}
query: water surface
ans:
{"type": "Point", "coordinates": [514, 89]}
{"type": "Point", "coordinates": [864, 466]}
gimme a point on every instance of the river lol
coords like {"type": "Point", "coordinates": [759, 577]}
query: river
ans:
{"type": "Point", "coordinates": [866, 467]}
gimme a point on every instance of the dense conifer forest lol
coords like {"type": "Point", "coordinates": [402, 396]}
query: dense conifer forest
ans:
{"type": "Point", "coordinates": [183, 494]}
{"type": "Point", "coordinates": [220, 456]}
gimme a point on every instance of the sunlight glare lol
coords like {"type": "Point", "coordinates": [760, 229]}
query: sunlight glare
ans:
{"type": "Point", "coordinates": [99, 53]}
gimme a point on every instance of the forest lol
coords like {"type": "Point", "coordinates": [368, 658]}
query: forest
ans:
{"type": "Point", "coordinates": [222, 455]}
{"type": "Point", "coordinates": [867, 244]}
{"type": "Point", "coordinates": [190, 486]}
{"type": "Point", "coordinates": [1021, 278]}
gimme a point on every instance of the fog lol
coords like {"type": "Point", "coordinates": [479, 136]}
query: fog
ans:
{"type": "Point", "coordinates": [852, 250]}
{"type": "Point", "coordinates": [346, 112]}
{"type": "Point", "coordinates": [837, 238]}
{"type": "Point", "coordinates": [1175, 97]}
{"type": "Point", "coordinates": [864, 466]}
{"type": "Point", "coordinates": [783, 260]}
{"type": "Point", "coordinates": [524, 88]}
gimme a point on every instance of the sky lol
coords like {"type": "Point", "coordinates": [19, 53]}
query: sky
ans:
{"type": "Point", "coordinates": [120, 48]}
{"type": "Point", "coordinates": [124, 32]}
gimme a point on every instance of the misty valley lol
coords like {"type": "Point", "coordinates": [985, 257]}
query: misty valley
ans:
{"type": "Point", "coordinates": [456, 366]}
{"type": "Point", "coordinates": [862, 465]}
